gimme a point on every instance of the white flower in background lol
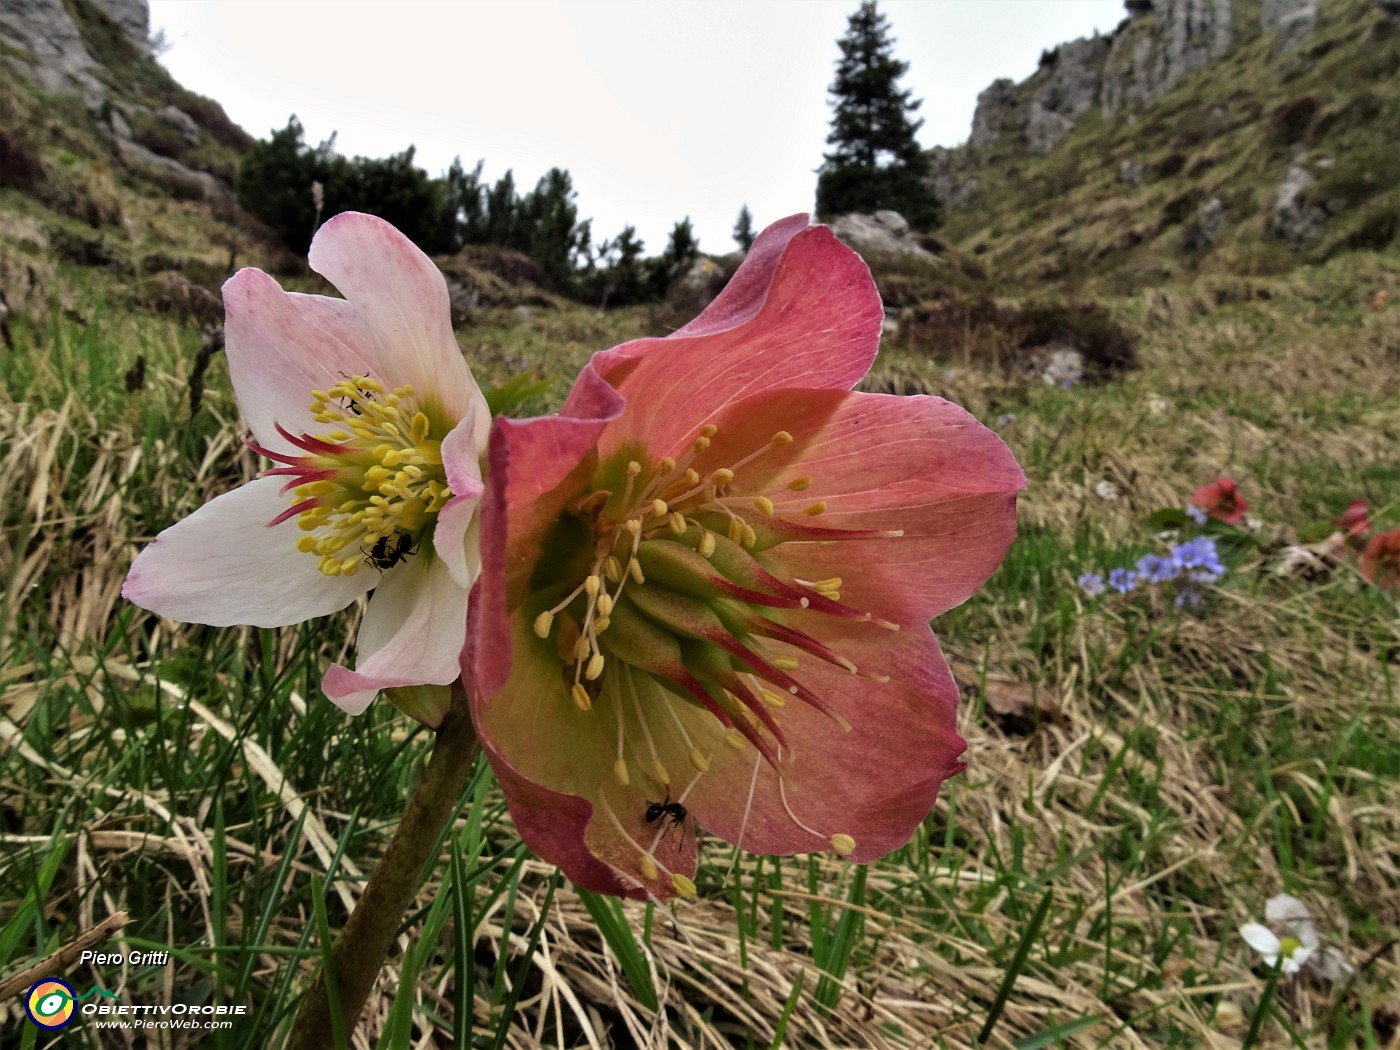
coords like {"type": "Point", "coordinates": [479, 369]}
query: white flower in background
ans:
{"type": "Point", "coordinates": [1292, 937]}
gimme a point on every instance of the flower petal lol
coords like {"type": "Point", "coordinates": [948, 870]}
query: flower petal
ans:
{"type": "Point", "coordinates": [875, 782]}
{"type": "Point", "coordinates": [402, 299]}
{"type": "Point", "coordinates": [554, 763]}
{"type": "Point", "coordinates": [1261, 939]}
{"type": "Point", "coordinates": [282, 345]}
{"type": "Point", "coordinates": [412, 634]}
{"type": "Point", "coordinates": [810, 316]}
{"type": "Point", "coordinates": [530, 461]}
{"type": "Point", "coordinates": [223, 566]}
{"type": "Point", "coordinates": [455, 534]}
{"type": "Point", "coordinates": [920, 464]}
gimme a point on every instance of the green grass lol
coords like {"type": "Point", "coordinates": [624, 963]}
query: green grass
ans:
{"type": "Point", "coordinates": [1079, 886]}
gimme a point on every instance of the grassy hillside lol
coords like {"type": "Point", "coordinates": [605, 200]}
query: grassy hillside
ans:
{"type": "Point", "coordinates": [1142, 777]}
{"type": "Point", "coordinates": [1228, 132]}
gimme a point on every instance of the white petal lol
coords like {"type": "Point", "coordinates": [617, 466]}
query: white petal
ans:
{"type": "Point", "coordinates": [1291, 914]}
{"type": "Point", "coordinates": [283, 345]}
{"type": "Point", "coordinates": [455, 536]}
{"type": "Point", "coordinates": [402, 299]}
{"type": "Point", "coordinates": [1261, 939]}
{"type": "Point", "coordinates": [223, 566]}
{"type": "Point", "coordinates": [412, 634]}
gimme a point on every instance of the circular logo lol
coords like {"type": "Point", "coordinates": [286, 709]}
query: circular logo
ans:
{"type": "Point", "coordinates": [49, 1004]}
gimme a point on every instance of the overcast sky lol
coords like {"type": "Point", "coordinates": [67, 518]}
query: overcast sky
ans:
{"type": "Point", "coordinates": [659, 109]}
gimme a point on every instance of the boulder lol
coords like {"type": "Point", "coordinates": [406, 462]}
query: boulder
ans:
{"type": "Point", "coordinates": [1296, 219]}
{"type": "Point", "coordinates": [181, 122]}
{"type": "Point", "coordinates": [885, 232]}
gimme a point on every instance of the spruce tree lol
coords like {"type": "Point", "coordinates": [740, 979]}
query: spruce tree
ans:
{"type": "Point", "coordinates": [743, 229]}
{"type": "Point", "coordinates": [875, 162]}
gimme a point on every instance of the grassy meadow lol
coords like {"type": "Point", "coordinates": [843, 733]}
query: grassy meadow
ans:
{"type": "Point", "coordinates": [1160, 774]}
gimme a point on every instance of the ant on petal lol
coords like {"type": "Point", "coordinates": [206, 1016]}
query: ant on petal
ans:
{"type": "Point", "coordinates": [389, 550]}
{"type": "Point", "coordinates": [670, 811]}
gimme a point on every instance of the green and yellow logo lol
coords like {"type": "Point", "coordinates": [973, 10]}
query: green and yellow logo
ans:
{"type": "Point", "coordinates": [50, 1004]}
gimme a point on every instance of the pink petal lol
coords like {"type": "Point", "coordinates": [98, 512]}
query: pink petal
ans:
{"type": "Point", "coordinates": [222, 566]}
{"type": "Point", "coordinates": [282, 345]}
{"type": "Point", "coordinates": [876, 782]}
{"type": "Point", "coordinates": [920, 464]}
{"type": "Point", "coordinates": [458, 518]}
{"type": "Point", "coordinates": [555, 765]}
{"type": "Point", "coordinates": [807, 315]}
{"type": "Point", "coordinates": [402, 299]}
{"type": "Point", "coordinates": [412, 634]}
{"type": "Point", "coordinates": [529, 462]}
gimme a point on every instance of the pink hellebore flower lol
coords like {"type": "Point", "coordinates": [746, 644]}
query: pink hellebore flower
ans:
{"type": "Point", "coordinates": [1221, 499]}
{"type": "Point", "coordinates": [1381, 562]}
{"type": "Point", "coordinates": [708, 582]}
{"type": "Point", "coordinates": [375, 426]}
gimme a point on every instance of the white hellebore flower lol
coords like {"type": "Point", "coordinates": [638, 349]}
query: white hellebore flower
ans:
{"type": "Point", "coordinates": [1299, 947]}
{"type": "Point", "coordinates": [1264, 941]}
{"type": "Point", "coordinates": [376, 429]}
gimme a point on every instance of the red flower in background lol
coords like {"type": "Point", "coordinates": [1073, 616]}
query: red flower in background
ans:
{"type": "Point", "coordinates": [708, 580]}
{"type": "Point", "coordinates": [1356, 526]}
{"type": "Point", "coordinates": [1381, 562]}
{"type": "Point", "coordinates": [1221, 500]}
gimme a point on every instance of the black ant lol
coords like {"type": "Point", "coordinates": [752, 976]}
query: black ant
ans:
{"type": "Point", "coordinates": [666, 811]}
{"type": "Point", "coordinates": [389, 550]}
{"type": "Point", "coordinates": [349, 402]}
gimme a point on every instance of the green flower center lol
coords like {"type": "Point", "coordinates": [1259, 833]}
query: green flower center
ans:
{"type": "Point", "coordinates": [673, 618]}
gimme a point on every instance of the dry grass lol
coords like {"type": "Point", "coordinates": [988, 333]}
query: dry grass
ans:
{"type": "Point", "coordinates": [1195, 765]}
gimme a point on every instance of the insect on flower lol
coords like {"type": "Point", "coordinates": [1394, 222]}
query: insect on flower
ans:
{"type": "Point", "coordinates": [710, 576]}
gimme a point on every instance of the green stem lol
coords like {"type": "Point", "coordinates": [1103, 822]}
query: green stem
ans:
{"type": "Point", "coordinates": [369, 933]}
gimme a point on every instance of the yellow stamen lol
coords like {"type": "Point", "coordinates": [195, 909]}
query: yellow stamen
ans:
{"type": "Point", "coordinates": [843, 844]}
{"type": "Point", "coordinates": [581, 698]}
{"type": "Point", "coordinates": [683, 885]}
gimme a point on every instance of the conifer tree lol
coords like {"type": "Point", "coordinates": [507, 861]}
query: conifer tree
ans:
{"type": "Point", "coordinates": [743, 229]}
{"type": "Point", "coordinates": [875, 162]}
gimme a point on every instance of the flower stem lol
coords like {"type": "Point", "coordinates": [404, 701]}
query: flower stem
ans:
{"type": "Point", "coordinates": [1261, 1011]}
{"type": "Point", "coordinates": [364, 943]}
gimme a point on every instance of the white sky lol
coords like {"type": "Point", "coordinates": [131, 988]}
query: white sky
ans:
{"type": "Point", "coordinates": [659, 109]}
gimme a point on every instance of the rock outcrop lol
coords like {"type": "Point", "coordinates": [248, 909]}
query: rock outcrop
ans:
{"type": "Point", "coordinates": [884, 233]}
{"type": "Point", "coordinates": [1149, 52]}
{"type": "Point", "coordinates": [1159, 43]}
{"type": "Point", "coordinates": [53, 55]}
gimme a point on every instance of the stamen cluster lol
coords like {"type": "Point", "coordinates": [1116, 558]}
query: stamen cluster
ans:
{"type": "Point", "coordinates": [369, 487]}
{"type": "Point", "coordinates": [679, 626]}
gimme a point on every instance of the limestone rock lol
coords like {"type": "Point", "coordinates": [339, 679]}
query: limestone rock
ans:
{"type": "Point", "coordinates": [1181, 37]}
{"type": "Point", "coordinates": [57, 60]}
{"type": "Point", "coordinates": [996, 108]}
{"type": "Point", "coordinates": [1291, 20]}
{"type": "Point", "coordinates": [1068, 88]}
{"type": "Point", "coordinates": [885, 232]}
{"type": "Point", "coordinates": [1204, 230]}
{"type": "Point", "coordinates": [181, 122]}
{"type": "Point", "coordinates": [185, 182]}
{"type": "Point", "coordinates": [133, 17]}
{"type": "Point", "coordinates": [1295, 218]}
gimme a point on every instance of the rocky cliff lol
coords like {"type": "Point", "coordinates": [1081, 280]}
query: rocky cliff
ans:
{"type": "Point", "coordinates": [1195, 124]}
